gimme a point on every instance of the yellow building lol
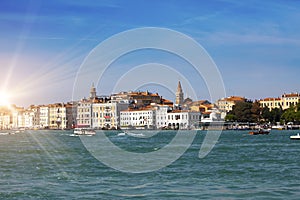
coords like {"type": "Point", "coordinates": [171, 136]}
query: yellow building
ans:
{"type": "Point", "coordinates": [284, 102]}
{"type": "Point", "coordinates": [271, 103]}
{"type": "Point", "coordinates": [289, 100]}
{"type": "Point", "coordinates": [106, 115]}
{"type": "Point", "coordinates": [4, 121]}
{"type": "Point", "coordinates": [226, 104]}
{"type": "Point", "coordinates": [199, 106]}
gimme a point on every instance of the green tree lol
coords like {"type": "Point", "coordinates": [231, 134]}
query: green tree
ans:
{"type": "Point", "coordinates": [230, 117]}
{"type": "Point", "coordinates": [297, 115]}
{"type": "Point", "coordinates": [256, 111]}
{"type": "Point", "coordinates": [275, 115]}
{"type": "Point", "coordinates": [290, 114]}
{"type": "Point", "coordinates": [266, 114]}
{"type": "Point", "coordinates": [242, 111]}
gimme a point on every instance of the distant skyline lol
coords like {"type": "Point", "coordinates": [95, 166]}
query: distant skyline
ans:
{"type": "Point", "coordinates": [255, 44]}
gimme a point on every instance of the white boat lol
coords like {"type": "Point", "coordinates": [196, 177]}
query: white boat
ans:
{"type": "Point", "coordinates": [84, 131]}
{"type": "Point", "coordinates": [295, 137]}
{"type": "Point", "coordinates": [278, 127]}
{"type": "Point", "coordinates": [131, 134]}
{"type": "Point", "coordinates": [122, 134]}
{"type": "Point", "coordinates": [135, 134]}
{"type": "Point", "coordinates": [4, 133]}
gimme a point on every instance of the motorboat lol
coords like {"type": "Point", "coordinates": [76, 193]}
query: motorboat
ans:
{"type": "Point", "coordinates": [278, 127]}
{"type": "Point", "coordinates": [260, 132]}
{"type": "Point", "coordinates": [131, 134]}
{"type": "Point", "coordinates": [295, 137]}
{"type": "Point", "coordinates": [84, 131]}
{"type": "Point", "coordinates": [122, 134]}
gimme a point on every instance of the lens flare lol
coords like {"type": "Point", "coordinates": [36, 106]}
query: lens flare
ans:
{"type": "Point", "coordinates": [4, 98]}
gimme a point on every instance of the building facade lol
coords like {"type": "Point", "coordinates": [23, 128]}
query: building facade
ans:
{"type": "Point", "coordinates": [183, 119]}
{"type": "Point", "coordinates": [5, 121]}
{"type": "Point", "coordinates": [271, 103]}
{"type": "Point", "coordinates": [84, 113]}
{"type": "Point", "coordinates": [138, 119]}
{"type": "Point", "coordinates": [226, 104]}
{"type": "Point", "coordinates": [161, 114]}
{"type": "Point", "coordinates": [283, 102]}
{"type": "Point", "coordinates": [106, 115]}
{"type": "Point", "coordinates": [44, 117]}
{"type": "Point", "coordinates": [210, 116]}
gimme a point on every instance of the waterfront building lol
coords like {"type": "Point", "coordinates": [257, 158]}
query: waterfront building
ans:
{"type": "Point", "coordinates": [44, 116]}
{"type": "Point", "coordinates": [161, 116]}
{"type": "Point", "coordinates": [289, 100]}
{"type": "Point", "coordinates": [29, 119]}
{"type": "Point", "coordinates": [71, 114]}
{"type": "Point", "coordinates": [226, 104]}
{"type": "Point", "coordinates": [183, 119]}
{"type": "Point", "coordinates": [5, 121]}
{"type": "Point", "coordinates": [284, 102]}
{"type": "Point", "coordinates": [271, 103]}
{"type": "Point", "coordinates": [21, 120]}
{"type": "Point", "coordinates": [84, 113]}
{"type": "Point", "coordinates": [143, 118]}
{"type": "Point", "coordinates": [16, 119]}
{"type": "Point", "coordinates": [106, 115]}
{"type": "Point", "coordinates": [210, 116]}
{"type": "Point", "coordinates": [33, 112]}
{"type": "Point", "coordinates": [85, 109]}
{"type": "Point", "coordinates": [62, 116]}
{"type": "Point", "coordinates": [56, 115]}
{"type": "Point", "coordinates": [153, 116]}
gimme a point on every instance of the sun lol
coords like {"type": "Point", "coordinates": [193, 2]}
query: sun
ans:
{"type": "Point", "coordinates": [4, 98]}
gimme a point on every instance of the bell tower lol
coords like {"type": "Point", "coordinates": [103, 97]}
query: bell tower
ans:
{"type": "Point", "coordinates": [179, 95]}
{"type": "Point", "coordinates": [93, 92]}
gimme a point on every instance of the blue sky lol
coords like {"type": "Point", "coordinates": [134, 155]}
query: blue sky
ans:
{"type": "Point", "coordinates": [255, 44]}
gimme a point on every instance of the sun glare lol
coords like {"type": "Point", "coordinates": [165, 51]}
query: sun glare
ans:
{"type": "Point", "coordinates": [4, 99]}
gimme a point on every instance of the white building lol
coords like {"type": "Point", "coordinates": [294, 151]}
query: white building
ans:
{"type": "Point", "coordinates": [28, 119]}
{"type": "Point", "coordinates": [84, 113]}
{"type": "Point", "coordinates": [161, 112]}
{"type": "Point", "coordinates": [210, 116]}
{"type": "Point", "coordinates": [21, 120]}
{"type": "Point", "coordinates": [138, 119]}
{"type": "Point", "coordinates": [183, 119]}
{"type": "Point", "coordinates": [5, 122]}
{"type": "Point", "coordinates": [34, 117]}
{"type": "Point", "coordinates": [106, 115]}
{"type": "Point", "coordinates": [44, 117]}
{"type": "Point", "coordinates": [17, 119]}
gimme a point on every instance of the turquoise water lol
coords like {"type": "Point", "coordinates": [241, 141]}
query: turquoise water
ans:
{"type": "Point", "coordinates": [53, 165]}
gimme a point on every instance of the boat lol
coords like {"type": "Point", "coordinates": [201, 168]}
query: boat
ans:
{"type": "Point", "coordinates": [84, 131]}
{"type": "Point", "coordinates": [260, 132]}
{"type": "Point", "coordinates": [122, 134]}
{"type": "Point", "coordinates": [295, 137]}
{"type": "Point", "coordinates": [131, 134]}
{"type": "Point", "coordinates": [4, 133]}
{"type": "Point", "coordinates": [278, 127]}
